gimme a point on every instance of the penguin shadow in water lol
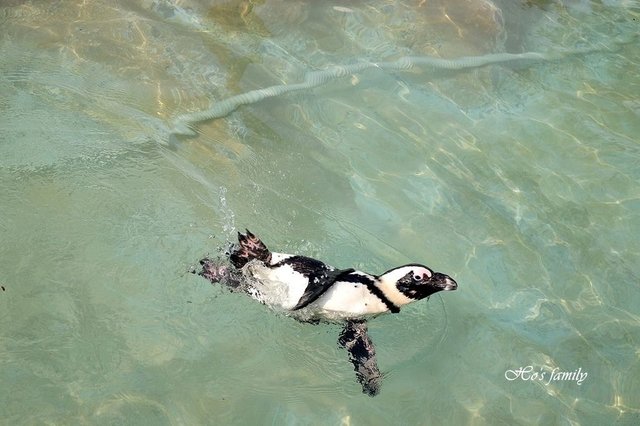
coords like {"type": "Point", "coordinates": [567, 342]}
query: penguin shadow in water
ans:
{"type": "Point", "coordinates": [311, 291]}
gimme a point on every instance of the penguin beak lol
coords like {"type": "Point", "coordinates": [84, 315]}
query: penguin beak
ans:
{"type": "Point", "coordinates": [445, 282]}
{"type": "Point", "coordinates": [451, 284]}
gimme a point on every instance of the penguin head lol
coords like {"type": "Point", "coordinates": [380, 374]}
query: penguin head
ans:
{"type": "Point", "coordinates": [414, 282]}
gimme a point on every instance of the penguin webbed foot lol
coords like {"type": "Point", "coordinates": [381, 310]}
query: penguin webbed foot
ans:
{"type": "Point", "coordinates": [218, 272]}
{"type": "Point", "coordinates": [251, 247]}
{"type": "Point", "coordinates": [362, 354]}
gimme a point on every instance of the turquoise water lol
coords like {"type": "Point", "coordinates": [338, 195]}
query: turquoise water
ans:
{"type": "Point", "coordinates": [521, 182]}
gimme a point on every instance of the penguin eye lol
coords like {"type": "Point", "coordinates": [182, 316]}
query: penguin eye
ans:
{"type": "Point", "coordinates": [417, 277]}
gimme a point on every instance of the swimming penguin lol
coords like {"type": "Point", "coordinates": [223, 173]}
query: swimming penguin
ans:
{"type": "Point", "coordinates": [311, 291]}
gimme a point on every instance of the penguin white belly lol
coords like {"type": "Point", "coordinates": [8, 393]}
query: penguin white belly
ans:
{"type": "Point", "coordinates": [280, 287]}
{"type": "Point", "coordinates": [348, 300]}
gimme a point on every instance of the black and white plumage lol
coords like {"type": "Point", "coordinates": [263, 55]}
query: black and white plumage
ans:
{"type": "Point", "coordinates": [312, 291]}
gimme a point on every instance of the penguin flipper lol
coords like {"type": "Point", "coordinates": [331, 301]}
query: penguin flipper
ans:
{"type": "Point", "coordinates": [362, 354]}
{"type": "Point", "coordinates": [319, 285]}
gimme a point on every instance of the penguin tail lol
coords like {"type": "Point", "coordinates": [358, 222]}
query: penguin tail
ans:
{"type": "Point", "coordinates": [250, 248]}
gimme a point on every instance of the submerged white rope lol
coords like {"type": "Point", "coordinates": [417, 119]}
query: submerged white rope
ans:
{"type": "Point", "coordinates": [184, 124]}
